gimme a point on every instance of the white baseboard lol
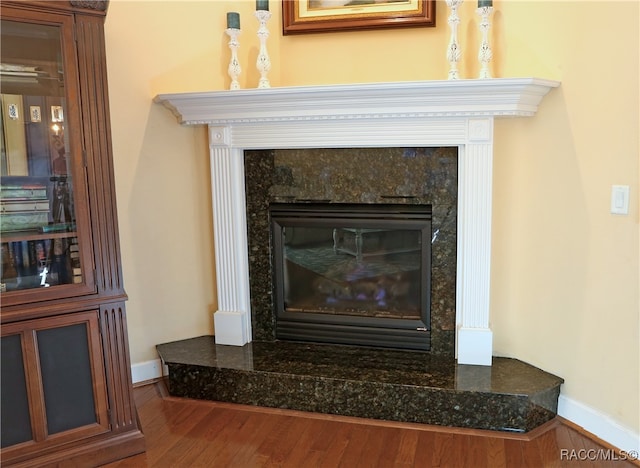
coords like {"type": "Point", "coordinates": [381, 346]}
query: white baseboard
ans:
{"type": "Point", "coordinates": [599, 424]}
{"type": "Point", "coordinates": [592, 420]}
{"type": "Point", "coordinates": [148, 370]}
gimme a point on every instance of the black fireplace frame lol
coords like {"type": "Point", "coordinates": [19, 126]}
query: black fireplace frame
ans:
{"type": "Point", "coordinates": [344, 329]}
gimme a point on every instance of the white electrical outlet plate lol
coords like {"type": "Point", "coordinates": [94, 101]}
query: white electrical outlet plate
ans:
{"type": "Point", "coordinates": [620, 199]}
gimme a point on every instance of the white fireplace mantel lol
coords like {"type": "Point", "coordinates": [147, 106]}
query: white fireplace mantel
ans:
{"type": "Point", "coordinates": [425, 113]}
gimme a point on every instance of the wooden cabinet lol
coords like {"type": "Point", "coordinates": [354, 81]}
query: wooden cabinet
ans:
{"type": "Point", "coordinates": [66, 390]}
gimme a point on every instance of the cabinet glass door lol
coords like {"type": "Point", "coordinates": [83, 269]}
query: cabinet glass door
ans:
{"type": "Point", "coordinates": [42, 190]}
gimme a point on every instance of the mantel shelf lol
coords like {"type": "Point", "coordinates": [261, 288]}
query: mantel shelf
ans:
{"type": "Point", "coordinates": [499, 97]}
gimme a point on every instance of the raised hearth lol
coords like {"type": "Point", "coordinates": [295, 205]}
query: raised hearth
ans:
{"type": "Point", "coordinates": [394, 385]}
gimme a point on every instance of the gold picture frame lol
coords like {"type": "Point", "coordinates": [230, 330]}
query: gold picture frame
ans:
{"type": "Point", "coordinates": [312, 16]}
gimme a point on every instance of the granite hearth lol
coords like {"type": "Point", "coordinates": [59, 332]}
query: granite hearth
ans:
{"type": "Point", "coordinates": [393, 385]}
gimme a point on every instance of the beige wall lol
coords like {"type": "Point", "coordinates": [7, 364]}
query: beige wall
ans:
{"type": "Point", "coordinates": [565, 273]}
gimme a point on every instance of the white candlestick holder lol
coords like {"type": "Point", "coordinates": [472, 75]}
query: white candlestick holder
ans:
{"type": "Point", "coordinates": [453, 50]}
{"type": "Point", "coordinates": [263, 63]}
{"type": "Point", "coordinates": [234, 65]}
{"type": "Point", "coordinates": [484, 54]}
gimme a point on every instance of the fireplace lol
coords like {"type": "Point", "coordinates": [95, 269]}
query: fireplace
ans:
{"type": "Point", "coordinates": [352, 274]}
{"type": "Point", "coordinates": [413, 144]}
{"type": "Point", "coordinates": [455, 113]}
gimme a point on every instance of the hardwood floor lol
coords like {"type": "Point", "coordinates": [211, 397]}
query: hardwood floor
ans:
{"type": "Point", "coordinates": [191, 433]}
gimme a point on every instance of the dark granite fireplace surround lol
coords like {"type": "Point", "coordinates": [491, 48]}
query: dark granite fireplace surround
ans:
{"type": "Point", "coordinates": [410, 386]}
{"type": "Point", "coordinates": [374, 383]}
{"type": "Point", "coordinates": [421, 140]}
{"type": "Point", "coordinates": [426, 176]}
{"type": "Point", "coordinates": [396, 385]}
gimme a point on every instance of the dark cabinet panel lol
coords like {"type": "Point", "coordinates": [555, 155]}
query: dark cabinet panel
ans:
{"type": "Point", "coordinates": [67, 381]}
{"type": "Point", "coordinates": [15, 423]}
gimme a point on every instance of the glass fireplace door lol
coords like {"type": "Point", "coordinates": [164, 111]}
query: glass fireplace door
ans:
{"type": "Point", "coordinates": [352, 274]}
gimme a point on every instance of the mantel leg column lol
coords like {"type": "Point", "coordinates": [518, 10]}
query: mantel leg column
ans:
{"type": "Point", "coordinates": [474, 340]}
{"type": "Point", "coordinates": [232, 320]}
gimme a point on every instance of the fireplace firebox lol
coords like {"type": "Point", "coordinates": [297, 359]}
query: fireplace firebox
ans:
{"type": "Point", "coordinates": [357, 274]}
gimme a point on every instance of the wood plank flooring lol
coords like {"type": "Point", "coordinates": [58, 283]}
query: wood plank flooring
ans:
{"type": "Point", "coordinates": [190, 433]}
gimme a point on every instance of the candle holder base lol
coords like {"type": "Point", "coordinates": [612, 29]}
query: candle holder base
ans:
{"type": "Point", "coordinates": [234, 65]}
{"type": "Point", "coordinates": [263, 62]}
{"type": "Point", "coordinates": [453, 50]}
{"type": "Point", "coordinates": [484, 54]}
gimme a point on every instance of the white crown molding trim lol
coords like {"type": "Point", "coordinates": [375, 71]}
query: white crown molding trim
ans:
{"type": "Point", "coordinates": [405, 100]}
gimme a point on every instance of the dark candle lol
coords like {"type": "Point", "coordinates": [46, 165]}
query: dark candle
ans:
{"type": "Point", "coordinates": [262, 5]}
{"type": "Point", "coordinates": [233, 20]}
{"type": "Point", "coordinates": [485, 3]}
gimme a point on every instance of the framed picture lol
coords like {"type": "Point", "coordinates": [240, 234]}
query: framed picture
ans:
{"type": "Point", "coordinates": [57, 114]}
{"type": "Point", "coordinates": [310, 16]}
{"type": "Point", "coordinates": [36, 114]}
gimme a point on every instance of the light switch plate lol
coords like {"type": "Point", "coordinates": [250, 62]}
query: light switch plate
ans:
{"type": "Point", "coordinates": [620, 199]}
